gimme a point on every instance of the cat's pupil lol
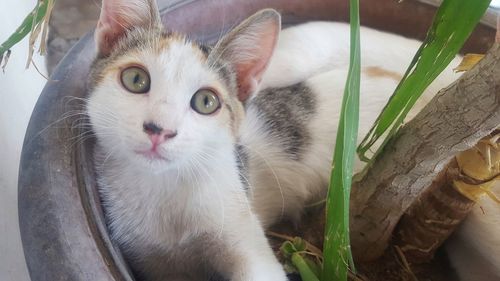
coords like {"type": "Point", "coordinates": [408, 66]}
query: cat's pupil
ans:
{"type": "Point", "coordinates": [207, 101]}
{"type": "Point", "coordinates": [136, 78]}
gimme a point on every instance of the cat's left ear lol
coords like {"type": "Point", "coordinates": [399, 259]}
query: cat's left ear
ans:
{"type": "Point", "coordinates": [118, 16]}
{"type": "Point", "coordinates": [248, 48]}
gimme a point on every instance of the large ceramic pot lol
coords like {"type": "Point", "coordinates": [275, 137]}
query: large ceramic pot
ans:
{"type": "Point", "coordinates": [63, 231]}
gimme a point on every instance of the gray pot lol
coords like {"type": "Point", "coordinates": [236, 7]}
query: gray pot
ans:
{"type": "Point", "coordinates": [62, 226]}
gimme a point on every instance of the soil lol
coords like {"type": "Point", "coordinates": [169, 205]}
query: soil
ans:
{"type": "Point", "coordinates": [392, 266]}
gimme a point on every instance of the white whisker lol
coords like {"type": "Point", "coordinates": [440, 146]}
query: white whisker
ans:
{"type": "Point", "coordinates": [274, 175]}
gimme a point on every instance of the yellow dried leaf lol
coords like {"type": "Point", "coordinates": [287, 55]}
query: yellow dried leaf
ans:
{"type": "Point", "coordinates": [468, 61]}
{"type": "Point", "coordinates": [480, 165]}
{"type": "Point", "coordinates": [474, 192]}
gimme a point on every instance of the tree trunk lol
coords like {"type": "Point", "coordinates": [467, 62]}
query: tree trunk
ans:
{"type": "Point", "coordinates": [455, 120]}
{"type": "Point", "coordinates": [444, 205]}
{"type": "Point", "coordinates": [432, 218]}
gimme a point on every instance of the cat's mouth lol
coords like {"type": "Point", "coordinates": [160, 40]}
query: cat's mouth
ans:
{"type": "Point", "coordinates": [151, 154]}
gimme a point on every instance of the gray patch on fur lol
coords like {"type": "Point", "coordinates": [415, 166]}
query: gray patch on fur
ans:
{"type": "Point", "coordinates": [205, 49]}
{"type": "Point", "coordinates": [191, 261]}
{"type": "Point", "coordinates": [242, 162]}
{"type": "Point", "coordinates": [286, 113]}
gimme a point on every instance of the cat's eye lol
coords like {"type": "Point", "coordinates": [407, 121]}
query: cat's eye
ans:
{"type": "Point", "coordinates": [205, 101]}
{"type": "Point", "coordinates": [136, 80]}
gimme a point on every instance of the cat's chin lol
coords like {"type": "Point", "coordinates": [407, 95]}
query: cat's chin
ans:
{"type": "Point", "coordinates": [151, 155]}
{"type": "Point", "coordinates": [154, 163]}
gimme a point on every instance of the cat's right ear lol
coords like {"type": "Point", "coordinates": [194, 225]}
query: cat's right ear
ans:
{"type": "Point", "coordinates": [118, 16]}
{"type": "Point", "coordinates": [248, 48]}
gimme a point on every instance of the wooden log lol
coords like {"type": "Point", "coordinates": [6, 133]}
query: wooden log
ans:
{"type": "Point", "coordinates": [454, 121]}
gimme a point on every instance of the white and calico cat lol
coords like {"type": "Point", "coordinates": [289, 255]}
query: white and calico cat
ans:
{"type": "Point", "coordinates": [200, 149]}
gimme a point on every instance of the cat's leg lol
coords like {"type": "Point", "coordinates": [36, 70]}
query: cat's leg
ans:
{"type": "Point", "coordinates": [245, 254]}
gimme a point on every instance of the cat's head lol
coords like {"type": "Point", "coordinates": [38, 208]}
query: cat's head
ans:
{"type": "Point", "coordinates": [158, 99]}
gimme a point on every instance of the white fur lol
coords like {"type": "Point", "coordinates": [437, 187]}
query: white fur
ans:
{"type": "Point", "coordinates": [474, 249]}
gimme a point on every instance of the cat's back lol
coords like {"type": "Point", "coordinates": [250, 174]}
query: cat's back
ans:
{"type": "Point", "coordinates": [291, 124]}
{"type": "Point", "coordinates": [316, 47]}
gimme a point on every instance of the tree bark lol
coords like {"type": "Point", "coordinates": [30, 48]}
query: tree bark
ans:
{"type": "Point", "coordinates": [455, 120]}
{"type": "Point", "coordinates": [432, 218]}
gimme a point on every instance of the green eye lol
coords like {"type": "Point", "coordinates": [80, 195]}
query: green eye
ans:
{"type": "Point", "coordinates": [205, 102]}
{"type": "Point", "coordinates": [136, 80]}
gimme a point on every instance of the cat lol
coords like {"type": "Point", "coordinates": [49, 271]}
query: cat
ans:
{"type": "Point", "coordinates": [200, 149]}
{"type": "Point", "coordinates": [166, 112]}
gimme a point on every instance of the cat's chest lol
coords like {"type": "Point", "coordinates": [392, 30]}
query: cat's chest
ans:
{"type": "Point", "coordinates": [163, 212]}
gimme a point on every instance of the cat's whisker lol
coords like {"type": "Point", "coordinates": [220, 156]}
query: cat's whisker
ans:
{"type": "Point", "coordinates": [102, 165]}
{"type": "Point", "coordinates": [201, 167]}
{"type": "Point", "coordinates": [274, 175]}
{"type": "Point", "coordinates": [69, 115]}
{"type": "Point", "coordinates": [244, 177]}
{"type": "Point", "coordinates": [62, 118]}
{"type": "Point", "coordinates": [192, 175]}
{"type": "Point", "coordinates": [209, 158]}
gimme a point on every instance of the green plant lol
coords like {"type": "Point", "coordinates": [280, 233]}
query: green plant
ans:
{"type": "Point", "coordinates": [452, 25]}
{"type": "Point", "coordinates": [35, 22]}
{"type": "Point", "coordinates": [295, 250]}
{"type": "Point", "coordinates": [336, 249]}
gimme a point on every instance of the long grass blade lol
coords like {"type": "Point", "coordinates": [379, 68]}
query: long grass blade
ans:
{"type": "Point", "coordinates": [452, 25]}
{"type": "Point", "coordinates": [336, 249]}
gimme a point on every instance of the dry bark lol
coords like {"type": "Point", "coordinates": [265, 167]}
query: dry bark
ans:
{"type": "Point", "coordinates": [455, 120]}
{"type": "Point", "coordinates": [432, 218]}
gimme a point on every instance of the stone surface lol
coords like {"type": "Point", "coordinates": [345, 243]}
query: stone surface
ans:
{"type": "Point", "coordinates": [70, 20]}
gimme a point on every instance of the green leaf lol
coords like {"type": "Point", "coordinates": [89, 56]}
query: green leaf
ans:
{"type": "Point", "coordinates": [287, 249]}
{"type": "Point", "coordinates": [31, 20]}
{"type": "Point", "coordinates": [314, 265]}
{"type": "Point", "coordinates": [306, 273]}
{"type": "Point", "coordinates": [293, 252]}
{"type": "Point", "coordinates": [299, 244]}
{"type": "Point", "coordinates": [336, 248]}
{"type": "Point", "coordinates": [453, 23]}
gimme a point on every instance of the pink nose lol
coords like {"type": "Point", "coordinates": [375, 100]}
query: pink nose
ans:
{"type": "Point", "coordinates": [156, 134]}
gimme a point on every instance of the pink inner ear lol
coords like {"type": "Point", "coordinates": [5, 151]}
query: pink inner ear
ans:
{"type": "Point", "coordinates": [250, 71]}
{"type": "Point", "coordinates": [110, 27]}
{"type": "Point", "coordinates": [106, 37]}
{"type": "Point", "coordinates": [249, 77]}
{"type": "Point", "coordinates": [116, 17]}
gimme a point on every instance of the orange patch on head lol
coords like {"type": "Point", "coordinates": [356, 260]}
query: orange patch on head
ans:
{"type": "Point", "coordinates": [376, 71]}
